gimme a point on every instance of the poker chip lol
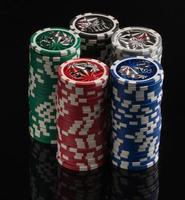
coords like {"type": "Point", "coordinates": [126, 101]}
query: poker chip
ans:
{"type": "Point", "coordinates": [49, 48]}
{"type": "Point", "coordinates": [135, 185]}
{"type": "Point", "coordinates": [81, 185]}
{"type": "Point", "coordinates": [95, 30]}
{"type": "Point", "coordinates": [136, 85]}
{"type": "Point", "coordinates": [136, 41]}
{"type": "Point", "coordinates": [81, 114]}
{"type": "Point", "coordinates": [43, 170]}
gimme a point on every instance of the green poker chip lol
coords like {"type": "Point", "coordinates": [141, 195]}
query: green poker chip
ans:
{"type": "Point", "coordinates": [55, 42]}
{"type": "Point", "coordinates": [48, 49]}
{"type": "Point", "coordinates": [34, 56]}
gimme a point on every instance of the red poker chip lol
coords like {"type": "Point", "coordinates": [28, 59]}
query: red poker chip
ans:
{"type": "Point", "coordinates": [70, 149]}
{"type": "Point", "coordinates": [83, 72]}
{"type": "Point", "coordinates": [82, 158]}
{"type": "Point", "coordinates": [96, 120]}
{"type": "Point", "coordinates": [77, 132]}
{"type": "Point", "coordinates": [81, 144]}
{"type": "Point", "coordinates": [80, 131]}
{"type": "Point", "coordinates": [75, 167]}
{"type": "Point", "coordinates": [81, 114]}
{"type": "Point", "coordinates": [83, 162]}
{"type": "Point", "coordinates": [81, 155]}
{"type": "Point", "coordinates": [81, 111]}
{"type": "Point", "coordinates": [84, 93]}
{"type": "Point", "coordinates": [74, 101]}
{"type": "Point", "coordinates": [78, 115]}
{"type": "Point", "coordinates": [72, 161]}
{"type": "Point", "coordinates": [101, 85]}
{"type": "Point", "coordinates": [80, 124]}
{"type": "Point", "coordinates": [80, 91]}
{"type": "Point", "coordinates": [82, 121]}
{"type": "Point", "coordinates": [87, 137]}
{"type": "Point", "coordinates": [96, 123]}
{"type": "Point", "coordinates": [79, 102]}
{"type": "Point", "coordinates": [79, 141]}
{"type": "Point", "coordinates": [74, 105]}
{"type": "Point", "coordinates": [69, 99]}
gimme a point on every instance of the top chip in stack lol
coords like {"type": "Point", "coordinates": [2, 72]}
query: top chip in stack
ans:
{"type": "Point", "coordinates": [95, 31]}
{"type": "Point", "coordinates": [49, 48]}
{"type": "Point", "coordinates": [137, 41]}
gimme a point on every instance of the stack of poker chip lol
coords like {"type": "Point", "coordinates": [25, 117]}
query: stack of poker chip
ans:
{"type": "Point", "coordinates": [43, 170]}
{"type": "Point", "coordinates": [135, 185]}
{"type": "Point", "coordinates": [81, 185]}
{"type": "Point", "coordinates": [136, 41]}
{"type": "Point", "coordinates": [136, 112]}
{"type": "Point", "coordinates": [81, 114]}
{"type": "Point", "coordinates": [95, 31]}
{"type": "Point", "coordinates": [49, 47]}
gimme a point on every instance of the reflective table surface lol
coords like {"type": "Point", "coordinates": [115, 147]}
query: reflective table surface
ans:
{"type": "Point", "coordinates": [48, 180]}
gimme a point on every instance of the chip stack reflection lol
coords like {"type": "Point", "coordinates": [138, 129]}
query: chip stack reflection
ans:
{"type": "Point", "coordinates": [43, 171]}
{"type": "Point", "coordinates": [128, 185]}
{"type": "Point", "coordinates": [81, 185]}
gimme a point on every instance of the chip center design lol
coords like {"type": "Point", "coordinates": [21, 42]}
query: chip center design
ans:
{"type": "Point", "coordinates": [137, 70]}
{"type": "Point", "coordinates": [83, 71]}
{"type": "Point", "coordinates": [94, 24]}
{"type": "Point", "coordinates": [55, 40]}
{"type": "Point", "coordinates": [136, 39]}
{"type": "Point", "coordinates": [79, 70]}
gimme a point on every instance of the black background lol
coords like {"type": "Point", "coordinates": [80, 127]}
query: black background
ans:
{"type": "Point", "coordinates": [19, 19]}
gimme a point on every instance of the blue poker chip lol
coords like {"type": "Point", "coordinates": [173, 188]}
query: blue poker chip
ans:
{"type": "Point", "coordinates": [133, 111]}
{"type": "Point", "coordinates": [135, 119]}
{"type": "Point", "coordinates": [147, 153]}
{"type": "Point", "coordinates": [140, 95]}
{"type": "Point", "coordinates": [136, 88]}
{"type": "Point", "coordinates": [134, 166]}
{"type": "Point", "coordinates": [142, 158]}
{"type": "Point", "coordinates": [125, 103]}
{"type": "Point", "coordinates": [143, 99]}
{"type": "Point", "coordinates": [124, 128]}
{"type": "Point", "coordinates": [126, 155]}
{"type": "Point", "coordinates": [133, 146]}
{"type": "Point", "coordinates": [132, 135]}
{"type": "Point", "coordinates": [136, 85]}
{"type": "Point", "coordinates": [137, 71]}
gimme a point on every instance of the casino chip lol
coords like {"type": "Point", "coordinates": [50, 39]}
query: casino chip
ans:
{"type": "Point", "coordinates": [43, 171]}
{"type": "Point", "coordinates": [136, 41]}
{"type": "Point", "coordinates": [49, 47]}
{"type": "Point", "coordinates": [135, 185]}
{"type": "Point", "coordinates": [81, 114]}
{"type": "Point", "coordinates": [95, 31]}
{"type": "Point", "coordinates": [136, 112]}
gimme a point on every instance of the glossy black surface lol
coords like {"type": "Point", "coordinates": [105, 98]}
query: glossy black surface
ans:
{"type": "Point", "coordinates": [19, 19]}
{"type": "Point", "coordinates": [51, 181]}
